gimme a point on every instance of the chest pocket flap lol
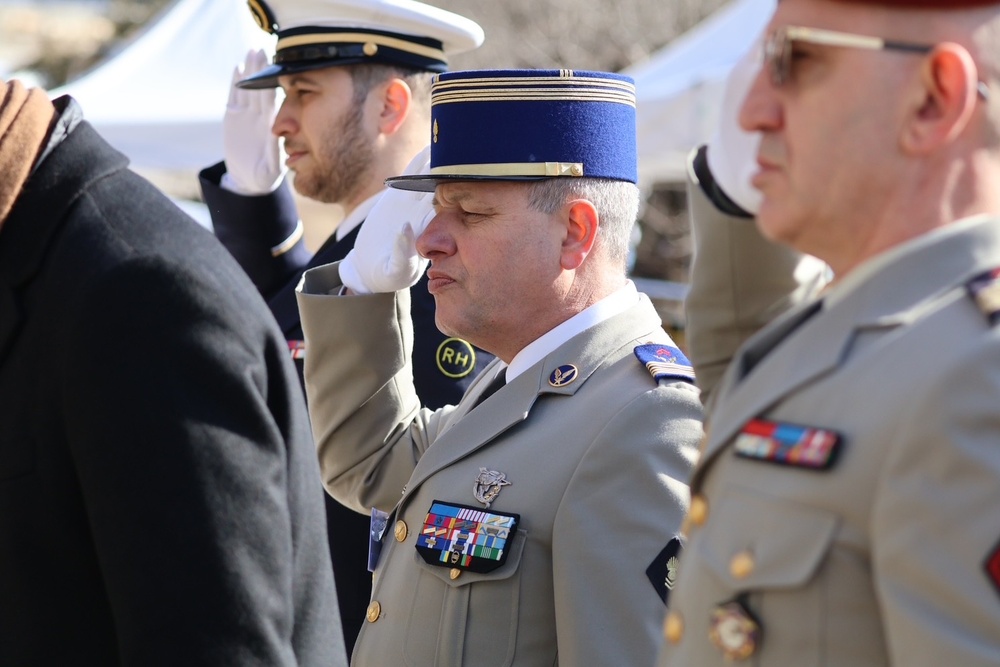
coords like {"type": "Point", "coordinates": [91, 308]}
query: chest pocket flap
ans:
{"type": "Point", "coordinates": [798, 537]}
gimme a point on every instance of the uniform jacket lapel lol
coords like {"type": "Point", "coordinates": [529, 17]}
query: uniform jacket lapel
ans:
{"type": "Point", "coordinates": [470, 429]}
{"type": "Point", "coordinates": [822, 343]}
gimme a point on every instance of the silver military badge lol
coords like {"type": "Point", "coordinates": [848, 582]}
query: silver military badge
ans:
{"type": "Point", "coordinates": [671, 577]}
{"type": "Point", "coordinates": [488, 485]}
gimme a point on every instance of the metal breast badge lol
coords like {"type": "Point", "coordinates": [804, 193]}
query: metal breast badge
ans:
{"type": "Point", "coordinates": [488, 485]}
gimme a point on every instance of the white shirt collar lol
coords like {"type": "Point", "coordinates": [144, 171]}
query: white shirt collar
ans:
{"type": "Point", "coordinates": [355, 217]}
{"type": "Point", "coordinates": [611, 305]}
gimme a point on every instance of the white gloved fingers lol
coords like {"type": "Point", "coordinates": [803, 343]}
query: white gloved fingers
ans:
{"type": "Point", "coordinates": [234, 98]}
{"type": "Point", "coordinates": [405, 260]}
{"type": "Point", "coordinates": [254, 164]}
{"type": "Point", "coordinates": [385, 257]}
{"type": "Point", "coordinates": [732, 151]}
{"type": "Point", "coordinates": [261, 101]}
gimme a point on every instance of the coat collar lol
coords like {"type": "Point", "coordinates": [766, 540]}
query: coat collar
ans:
{"type": "Point", "coordinates": [894, 296]}
{"type": "Point", "coordinates": [470, 429]}
{"type": "Point", "coordinates": [45, 202]}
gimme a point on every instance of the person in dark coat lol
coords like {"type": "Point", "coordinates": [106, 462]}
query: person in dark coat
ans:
{"type": "Point", "coordinates": [356, 79]}
{"type": "Point", "coordinates": [158, 481]}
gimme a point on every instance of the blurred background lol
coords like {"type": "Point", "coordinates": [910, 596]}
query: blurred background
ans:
{"type": "Point", "coordinates": [153, 77]}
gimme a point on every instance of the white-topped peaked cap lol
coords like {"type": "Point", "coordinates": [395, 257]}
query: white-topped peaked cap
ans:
{"type": "Point", "coordinates": [327, 33]}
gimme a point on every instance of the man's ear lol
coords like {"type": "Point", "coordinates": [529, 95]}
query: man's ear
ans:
{"type": "Point", "coordinates": [582, 223]}
{"type": "Point", "coordinates": [949, 79]}
{"type": "Point", "coordinates": [396, 101]}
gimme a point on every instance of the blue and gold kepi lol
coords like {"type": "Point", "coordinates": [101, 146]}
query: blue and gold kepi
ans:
{"type": "Point", "coordinates": [314, 34]}
{"type": "Point", "coordinates": [520, 125]}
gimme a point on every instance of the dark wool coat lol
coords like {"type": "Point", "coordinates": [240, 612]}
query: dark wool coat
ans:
{"type": "Point", "coordinates": [159, 491]}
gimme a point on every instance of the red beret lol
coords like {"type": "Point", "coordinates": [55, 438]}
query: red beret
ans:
{"type": "Point", "coordinates": [927, 4]}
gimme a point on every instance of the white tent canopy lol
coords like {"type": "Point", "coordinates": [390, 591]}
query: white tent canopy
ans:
{"type": "Point", "coordinates": [680, 88]}
{"type": "Point", "coordinates": [160, 99]}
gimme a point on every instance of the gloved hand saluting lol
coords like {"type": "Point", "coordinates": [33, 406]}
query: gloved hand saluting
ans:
{"type": "Point", "coordinates": [384, 257]}
{"type": "Point", "coordinates": [254, 159]}
{"type": "Point", "coordinates": [732, 151]}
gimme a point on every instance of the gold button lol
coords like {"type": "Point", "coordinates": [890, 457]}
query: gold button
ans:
{"type": "Point", "coordinates": [699, 510]}
{"type": "Point", "coordinates": [576, 170]}
{"type": "Point", "coordinates": [370, 48]}
{"type": "Point", "coordinates": [455, 573]}
{"type": "Point", "coordinates": [374, 611]}
{"type": "Point", "coordinates": [400, 531]}
{"type": "Point", "coordinates": [673, 627]}
{"type": "Point", "coordinates": [741, 565]}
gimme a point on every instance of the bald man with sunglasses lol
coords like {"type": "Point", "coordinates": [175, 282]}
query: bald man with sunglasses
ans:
{"type": "Point", "coordinates": [843, 323]}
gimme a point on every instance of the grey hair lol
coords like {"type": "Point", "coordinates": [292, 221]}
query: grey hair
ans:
{"type": "Point", "coordinates": [617, 204]}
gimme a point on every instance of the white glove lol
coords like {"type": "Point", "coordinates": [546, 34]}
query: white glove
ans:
{"type": "Point", "coordinates": [732, 151]}
{"type": "Point", "coordinates": [254, 159]}
{"type": "Point", "coordinates": [384, 257]}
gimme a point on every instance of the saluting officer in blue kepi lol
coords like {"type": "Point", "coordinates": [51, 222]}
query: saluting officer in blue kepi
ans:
{"type": "Point", "coordinates": [356, 76]}
{"type": "Point", "coordinates": [535, 522]}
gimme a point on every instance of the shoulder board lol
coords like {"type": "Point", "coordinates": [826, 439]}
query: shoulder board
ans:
{"type": "Point", "coordinates": [665, 361]}
{"type": "Point", "coordinates": [985, 291]}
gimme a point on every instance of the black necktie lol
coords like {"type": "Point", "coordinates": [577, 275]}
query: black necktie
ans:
{"type": "Point", "coordinates": [495, 384]}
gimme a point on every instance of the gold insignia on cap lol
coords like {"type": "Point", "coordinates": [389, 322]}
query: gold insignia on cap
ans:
{"type": "Point", "coordinates": [435, 130]}
{"type": "Point", "coordinates": [370, 48]}
{"type": "Point", "coordinates": [563, 375]}
{"type": "Point", "coordinates": [263, 16]}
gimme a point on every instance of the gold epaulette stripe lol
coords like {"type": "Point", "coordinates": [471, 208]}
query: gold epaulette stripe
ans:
{"type": "Point", "coordinates": [527, 82]}
{"type": "Point", "coordinates": [523, 97]}
{"type": "Point", "coordinates": [360, 38]}
{"type": "Point", "coordinates": [511, 169]}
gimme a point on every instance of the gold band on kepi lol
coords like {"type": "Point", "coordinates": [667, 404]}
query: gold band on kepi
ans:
{"type": "Point", "coordinates": [314, 34]}
{"type": "Point", "coordinates": [521, 125]}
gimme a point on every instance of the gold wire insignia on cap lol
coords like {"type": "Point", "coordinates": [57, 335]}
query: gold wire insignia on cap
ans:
{"type": "Point", "coordinates": [370, 48]}
{"type": "Point", "coordinates": [435, 130]}
{"type": "Point", "coordinates": [263, 16]}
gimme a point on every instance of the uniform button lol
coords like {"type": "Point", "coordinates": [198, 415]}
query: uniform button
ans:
{"type": "Point", "coordinates": [400, 531]}
{"type": "Point", "coordinates": [374, 611]}
{"type": "Point", "coordinates": [673, 627]}
{"type": "Point", "coordinates": [699, 510]}
{"type": "Point", "coordinates": [455, 573]}
{"type": "Point", "coordinates": [741, 565]}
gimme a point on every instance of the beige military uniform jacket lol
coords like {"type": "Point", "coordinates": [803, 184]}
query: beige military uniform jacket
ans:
{"type": "Point", "coordinates": [597, 471]}
{"type": "Point", "coordinates": [889, 555]}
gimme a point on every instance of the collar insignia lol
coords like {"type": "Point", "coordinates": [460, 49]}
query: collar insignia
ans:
{"type": "Point", "coordinates": [563, 375]}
